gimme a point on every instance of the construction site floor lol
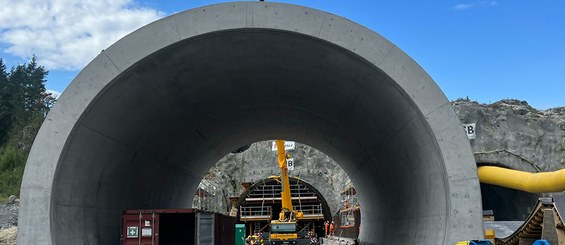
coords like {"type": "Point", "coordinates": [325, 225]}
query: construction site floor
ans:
{"type": "Point", "coordinates": [333, 240]}
{"type": "Point", "coordinates": [503, 228]}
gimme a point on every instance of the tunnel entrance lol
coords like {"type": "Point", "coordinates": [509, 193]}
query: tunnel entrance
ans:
{"type": "Point", "coordinates": [260, 204]}
{"type": "Point", "coordinates": [142, 123]}
{"type": "Point", "coordinates": [508, 204]}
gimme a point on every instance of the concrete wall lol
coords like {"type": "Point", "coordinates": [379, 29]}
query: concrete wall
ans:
{"type": "Point", "coordinates": [139, 126]}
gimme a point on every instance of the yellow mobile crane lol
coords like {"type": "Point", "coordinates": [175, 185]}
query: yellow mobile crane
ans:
{"type": "Point", "coordinates": [283, 230]}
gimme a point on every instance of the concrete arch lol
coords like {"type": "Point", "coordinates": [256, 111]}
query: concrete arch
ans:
{"type": "Point", "coordinates": [141, 123]}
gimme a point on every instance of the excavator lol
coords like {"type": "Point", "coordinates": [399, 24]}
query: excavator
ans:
{"type": "Point", "coordinates": [283, 229]}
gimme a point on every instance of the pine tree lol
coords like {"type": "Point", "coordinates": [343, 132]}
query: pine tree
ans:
{"type": "Point", "coordinates": [6, 108]}
{"type": "Point", "coordinates": [30, 99]}
{"type": "Point", "coordinates": [35, 87]}
{"type": "Point", "coordinates": [24, 104]}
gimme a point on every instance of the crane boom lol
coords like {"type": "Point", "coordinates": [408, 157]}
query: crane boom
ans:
{"type": "Point", "coordinates": [285, 194]}
{"type": "Point", "coordinates": [283, 230]}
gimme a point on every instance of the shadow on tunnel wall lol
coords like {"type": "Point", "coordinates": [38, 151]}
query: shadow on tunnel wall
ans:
{"type": "Point", "coordinates": [508, 204]}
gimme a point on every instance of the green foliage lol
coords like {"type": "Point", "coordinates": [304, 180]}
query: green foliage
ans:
{"type": "Point", "coordinates": [6, 108]}
{"type": "Point", "coordinates": [24, 103]}
{"type": "Point", "coordinates": [12, 164]}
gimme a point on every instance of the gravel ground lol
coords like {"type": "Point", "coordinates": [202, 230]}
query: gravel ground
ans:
{"type": "Point", "coordinates": [8, 215]}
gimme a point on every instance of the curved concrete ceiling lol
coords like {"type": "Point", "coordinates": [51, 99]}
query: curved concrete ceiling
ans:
{"type": "Point", "coordinates": [139, 126]}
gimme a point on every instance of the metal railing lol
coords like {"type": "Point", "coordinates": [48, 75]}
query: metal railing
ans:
{"type": "Point", "coordinates": [255, 212]}
{"type": "Point", "coordinates": [349, 202]}
{"type": "Point", "coordinates": [310, 209]}
{"type": "Point", "coordinates": [275, 191]}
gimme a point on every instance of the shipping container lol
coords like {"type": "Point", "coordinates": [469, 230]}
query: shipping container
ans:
{"type": "Point", "coordinates": [176, 227]}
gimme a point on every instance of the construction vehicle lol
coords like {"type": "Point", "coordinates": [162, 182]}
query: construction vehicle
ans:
{"type": "Point", "coordinates": [283, 229]}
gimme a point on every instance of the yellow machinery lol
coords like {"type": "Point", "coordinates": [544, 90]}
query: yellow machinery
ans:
{"type": "Point", "coordinates": [283, 230]}
{"type": "Point", "coordinates": [524, 181]}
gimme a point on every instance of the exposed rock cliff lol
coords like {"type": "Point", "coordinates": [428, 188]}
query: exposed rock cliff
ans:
{"type": "Point", "coordinates": [513, 134]}
{"type": "Point", "coordinates": [510, 133]}
{"type": "Point", "coordinates": [259, 162]}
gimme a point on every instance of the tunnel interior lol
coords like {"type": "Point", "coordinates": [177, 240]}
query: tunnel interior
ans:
{"type": "Point", "coordinates": [508, 204]}
{"type": "Point", "coordinates": [148, 137]}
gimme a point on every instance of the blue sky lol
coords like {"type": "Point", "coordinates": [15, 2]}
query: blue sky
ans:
{"type": "Point", "coordinates": [486, 50]}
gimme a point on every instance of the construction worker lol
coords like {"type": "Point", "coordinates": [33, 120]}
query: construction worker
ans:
{"type": "Point", "coordinates": [256, 239]}
{"type": "Point", "coordinates": [326, 228]}
{"type": "Point", "coordinates": [332, 228]}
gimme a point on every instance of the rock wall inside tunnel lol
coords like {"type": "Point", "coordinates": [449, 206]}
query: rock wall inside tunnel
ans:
{"type": "Point", "coordinates": [142, 123]}
{"type": "Point", "coordinates": [259, 162]}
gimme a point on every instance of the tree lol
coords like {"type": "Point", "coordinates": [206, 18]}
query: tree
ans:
{"type": "Point", "coordinates": [24, 103]}
{"type": "Point", "coordinates": [6, 108]}
{"type": "Point", "coordinates": [29, 97]}
{"type": "Point", "coordinates": [34, 88]}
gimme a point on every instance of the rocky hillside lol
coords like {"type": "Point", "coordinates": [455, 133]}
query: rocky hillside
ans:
{"type": "Point", "coordinates": [513, 134]}
{"type": "Point", "coordinates": [508, 133]}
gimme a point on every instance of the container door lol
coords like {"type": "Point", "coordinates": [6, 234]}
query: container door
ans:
{"type": "Point", "coordinates": [140, 229]}
{"type": "Point", "coordinates": [204, 229]}
{"type": "Point", "coordinates": [148, 229]}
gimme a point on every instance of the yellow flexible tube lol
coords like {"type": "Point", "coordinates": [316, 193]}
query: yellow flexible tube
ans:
{"type": "Point", "coordinates": [524, 181]}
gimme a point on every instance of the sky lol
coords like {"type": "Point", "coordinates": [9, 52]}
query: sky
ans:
{"type": "Point", "coordinates": [486, 50]}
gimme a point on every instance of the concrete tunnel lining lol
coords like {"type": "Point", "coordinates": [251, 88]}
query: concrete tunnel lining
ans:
{"type": "Point", "coordinates": [139, 126]}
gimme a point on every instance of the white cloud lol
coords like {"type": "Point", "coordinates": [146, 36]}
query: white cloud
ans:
{"type": "Point", "coordinates": [55, 94]}
{"type": "Point", "coordinates": [67, 34]}
{"type": "Point", "coordinates": [463, 6]}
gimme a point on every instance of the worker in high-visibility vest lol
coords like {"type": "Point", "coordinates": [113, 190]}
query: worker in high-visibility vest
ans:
{"type": "Point", "coordinates": [332, 228]}
{"type": "Point", "coordinates": [327, 227]}
{"type": "Point", "coordinates": [256, 239]}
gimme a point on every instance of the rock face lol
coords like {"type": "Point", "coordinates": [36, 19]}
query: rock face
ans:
{"type": "Point", "coordinates": [512, 134]}
{"type": "Point", "coordinates": [259, 162]}
{"type": "Point", "coordinates": [509, 133]}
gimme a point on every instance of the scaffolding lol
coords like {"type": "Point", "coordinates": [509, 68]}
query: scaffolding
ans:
{"type": "Point", "coordinates": [255, 213]}
{"type": "Point", "coordinates": [206, 197]}
{"type": "Point", "coordinates": [266, 194]}
{"type": "Point", "coordinates": [349, 203]}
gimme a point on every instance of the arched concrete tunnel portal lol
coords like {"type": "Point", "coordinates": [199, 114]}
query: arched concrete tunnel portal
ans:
{"type": "Point", "coordinates": [139, 126]}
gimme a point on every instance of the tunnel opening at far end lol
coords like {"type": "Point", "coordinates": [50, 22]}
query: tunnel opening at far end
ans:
{"type": "Point", "coordinates": [154, 131]}
{"type": "Point", "coordinates": [246, 185]}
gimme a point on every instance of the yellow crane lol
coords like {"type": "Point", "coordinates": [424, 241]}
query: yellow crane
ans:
{"type": "Point", "coordinates": [283, 229]}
